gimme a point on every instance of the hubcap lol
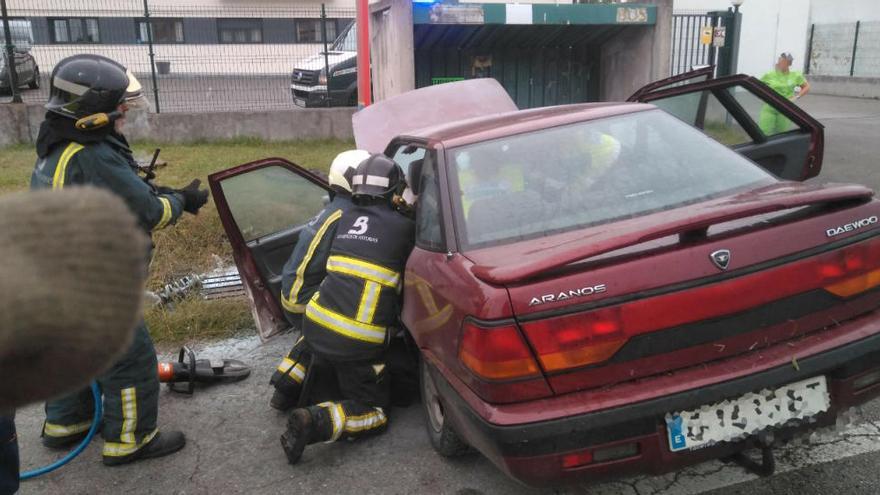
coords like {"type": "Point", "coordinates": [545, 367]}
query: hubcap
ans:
{"type": "Point", "coordinates": [432, 401]}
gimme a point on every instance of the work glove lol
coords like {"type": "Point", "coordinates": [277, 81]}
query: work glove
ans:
{"type": "Point", "coordinates": [193, 197]}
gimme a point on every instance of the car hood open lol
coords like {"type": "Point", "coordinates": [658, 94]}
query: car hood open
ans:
{"type": "Point", "coordinates": [376, 125]}
{"type": "Point", "coordinates": [529, 259]}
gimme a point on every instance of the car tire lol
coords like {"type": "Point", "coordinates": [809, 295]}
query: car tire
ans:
{"type": "Point", "coordinates": [35, 82]}
{"type": "Point", "coordinates": [444, 438]}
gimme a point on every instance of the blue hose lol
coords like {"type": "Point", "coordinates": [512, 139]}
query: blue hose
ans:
{"type": "Point", "coordinates": [99, 412]}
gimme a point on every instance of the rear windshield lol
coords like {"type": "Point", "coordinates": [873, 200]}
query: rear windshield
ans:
{"type": "Point", "coordinates": [559, 179]}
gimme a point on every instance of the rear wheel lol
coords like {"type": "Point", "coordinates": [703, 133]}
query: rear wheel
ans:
{"type": "Point", "coordinates": [443, 437]}
{"type": "Point", "coordinates": [35, 83]}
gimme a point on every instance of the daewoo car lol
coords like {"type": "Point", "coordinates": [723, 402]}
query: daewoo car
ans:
{"type": "Point", "coordinates": [603, 289]}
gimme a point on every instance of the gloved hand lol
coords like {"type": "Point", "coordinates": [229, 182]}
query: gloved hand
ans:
{"type": "Point", "coordinates": [193, 197]}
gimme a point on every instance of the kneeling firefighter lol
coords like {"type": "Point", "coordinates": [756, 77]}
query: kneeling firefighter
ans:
{"type": "Point", "coordinates": [306, 269]}
{"type": "Point", "coordinates": [348, 323]}
{"type": "Point", "coordinates": [80, 143]}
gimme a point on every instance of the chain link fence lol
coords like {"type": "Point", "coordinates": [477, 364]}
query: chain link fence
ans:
{"type": "Point", "coordinates": [850, 49]}
{"type": "Point", "coordinates": [217, 56]}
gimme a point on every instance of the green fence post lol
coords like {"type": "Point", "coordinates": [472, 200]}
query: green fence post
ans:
{"type": "Point", "coordinates": [10, 55]}
{"type": "Point", "coordinates": [852, 65]}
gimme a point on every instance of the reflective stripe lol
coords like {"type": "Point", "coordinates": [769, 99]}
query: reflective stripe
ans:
{"type": "Point", "coordinates": [337, 415]}
{"type": "Point", "coordinates": [289, 301]}
{"type": "Point", "coordinates": [61, 166]}
{"type": "Point", "coordinates": [344, 325]}
{"type": "Point", "coordinates": [129, 415]}
{"type": "Point", "coordinates": [369, 301]}
{"type": "Point", "coordinates": [167, 212]}
{"type": "Point", "coordinates": [362, 269]}
{"type": "Point", "coordinates": [369, 421]}
{"type": "Point", "coordinates": [295, 370]}
{"type": "Point", "coordinates": [53, 430]}
{"type": "Point", "coordinates": [70, 87]}
{"type": "Point", "coordinates": [114, 449]}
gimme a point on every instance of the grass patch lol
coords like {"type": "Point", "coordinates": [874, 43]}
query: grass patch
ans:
{"type": "Point", "coordinates": [197, 243]}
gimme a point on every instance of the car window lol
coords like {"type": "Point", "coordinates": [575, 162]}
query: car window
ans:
{"type": "Point", "coordinates": [590, 173]}
{"type": "Point", "coordinates": [271, 199]}
{"type": "Point", "coordinates": [406, 155]}
{"type": "Point", "coordinates": [702, 110]}
{"type": "Point", "coordinates": [768, 119]}
{"type": "Point", "coordinates": [429, 232]}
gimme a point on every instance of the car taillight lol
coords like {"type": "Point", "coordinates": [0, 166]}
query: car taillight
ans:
{"type": "Point", "coordinates": [496, 353]}
{"type": "Point", "coordinates": [592, 337]}
{"type": "Point", "coordinates": [576, 340]}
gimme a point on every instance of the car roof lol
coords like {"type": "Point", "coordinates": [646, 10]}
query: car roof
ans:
{"type": "Point", "coordinates": [473, 130]}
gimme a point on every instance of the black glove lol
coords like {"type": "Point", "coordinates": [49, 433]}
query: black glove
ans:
{"type": "Point", "coordinates": [193, 197]}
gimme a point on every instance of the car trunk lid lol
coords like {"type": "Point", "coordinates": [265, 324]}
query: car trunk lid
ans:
{"type": "Point", "coordinates": [643, 297]}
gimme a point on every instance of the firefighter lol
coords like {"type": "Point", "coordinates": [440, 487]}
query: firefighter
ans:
{"type": "Point", "coordinates": [80, 143]}
{"type": "Point", "coordinates": [306, 268]}
{"type": "Point", "coordinates": [789, 83]}
{"type": "Point", "coordinates": [349, 321]}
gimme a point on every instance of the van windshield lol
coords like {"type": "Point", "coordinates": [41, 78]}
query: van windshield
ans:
{"type": "Point", "coordinates": [347, 41]}
{"type": "Point", "coordinates": [559, 179]}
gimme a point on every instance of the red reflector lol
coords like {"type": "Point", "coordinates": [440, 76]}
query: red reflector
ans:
{"type": "Point", "coordinates": [577, 459]}
{"type": "Point", "coordinates": [497, 353]}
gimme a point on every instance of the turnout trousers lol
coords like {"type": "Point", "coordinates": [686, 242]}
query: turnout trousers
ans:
{"type": "Point", "coordinates": [360, 391]}
{"type": "Point", "coordinates": [131, 402]}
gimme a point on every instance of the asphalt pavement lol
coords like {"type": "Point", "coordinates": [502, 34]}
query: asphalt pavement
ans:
{"type": "Point", "coordinates": [233, 434]}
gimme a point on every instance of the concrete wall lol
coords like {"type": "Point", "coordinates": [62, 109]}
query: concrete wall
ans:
{"type": "Point", "coordinates": [770, 27]}
{"type": "Point", "coordinates": [834, 11]}
{"type": "Point", "coordinates": [855, 87]}
{"type": "Point", "coordinates": [636, 56]}
{"type": "Point", "coordinates": [19, 124]}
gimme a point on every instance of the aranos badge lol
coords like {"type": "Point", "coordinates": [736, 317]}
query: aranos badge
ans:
{"type": "Point", "coordinates": [721, 258]}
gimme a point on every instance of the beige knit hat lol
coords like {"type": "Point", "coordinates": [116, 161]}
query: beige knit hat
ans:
{"type": "Point", "coordinates": [72, 269]}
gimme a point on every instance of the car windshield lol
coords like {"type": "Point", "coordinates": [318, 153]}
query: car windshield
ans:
{"type": "Point", "coordinates": [347, 41]}
{"type": "Point", "coordinates": [559, 179]}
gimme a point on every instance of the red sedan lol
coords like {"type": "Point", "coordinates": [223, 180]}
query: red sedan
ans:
{"type": "Point", "coordinates": [610, 288]}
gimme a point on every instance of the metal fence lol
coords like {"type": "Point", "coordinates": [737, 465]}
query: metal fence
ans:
{"type": "Point", "coordinates": [234, 55]}
{"type": "Point", "coordinates": [850, 49]}
{"type": "Point", "coordinates": [687, 49]}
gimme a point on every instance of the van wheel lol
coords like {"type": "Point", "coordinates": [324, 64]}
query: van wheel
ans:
{"type": "Point", "coordinates": [444, 439]}
{"type": "Point", "coordinates": [35, 83]}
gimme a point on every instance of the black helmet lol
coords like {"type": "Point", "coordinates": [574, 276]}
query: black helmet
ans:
{"type": "Point", "coordinates": [84, 85]}
{"type": "Point", "coordinates": [378, 177]}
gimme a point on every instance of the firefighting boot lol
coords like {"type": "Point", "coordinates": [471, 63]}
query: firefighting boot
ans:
{"type": "Point", "coordinates": [305, 425]}
{"type": "Point", "coordinates": [164, 443]}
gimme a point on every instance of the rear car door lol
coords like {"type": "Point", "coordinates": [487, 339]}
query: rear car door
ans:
{"type": "Point", "coordinates": [746, 115]}
{"type": "Point", "coordinates": [263, 206]}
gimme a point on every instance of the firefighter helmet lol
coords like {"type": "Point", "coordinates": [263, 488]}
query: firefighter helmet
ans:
{"type": "Point", "coordinates": [343, 168]}
{"type": "Point", "coordinates": [84, 85]}
{"type": "Point", "coordinates": [378, 177]}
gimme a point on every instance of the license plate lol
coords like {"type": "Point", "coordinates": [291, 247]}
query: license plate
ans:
{"type": "Point", "coordinates": [738, 418]}
{"type": "Point", "coordinates": [299, 101]}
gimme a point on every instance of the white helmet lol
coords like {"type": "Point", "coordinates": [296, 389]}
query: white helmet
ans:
{"type": "Point", "coordinates": [343, 167]}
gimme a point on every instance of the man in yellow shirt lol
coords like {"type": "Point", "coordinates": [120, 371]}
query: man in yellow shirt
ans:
{"type": "Point", "coordinates": [790, 84]}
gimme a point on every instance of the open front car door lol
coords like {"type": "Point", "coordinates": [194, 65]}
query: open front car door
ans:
{"type": "Point", "coordinates": [263, 206]}
{"type": "Point", "coordinates": [746, 115]}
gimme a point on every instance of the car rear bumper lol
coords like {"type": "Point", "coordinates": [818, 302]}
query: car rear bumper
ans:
{"type": "Point", "coordinates": [533, 452]}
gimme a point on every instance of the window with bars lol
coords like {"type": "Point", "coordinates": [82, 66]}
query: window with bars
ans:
{"type": "Point", "coordinates": [74, 30]}
{"type": "Point", "coordinates": [309, 30]}
{"type": "Point", "coordinates": [164, 30]}
{"type": "Point", "coordinates": [240, 30]}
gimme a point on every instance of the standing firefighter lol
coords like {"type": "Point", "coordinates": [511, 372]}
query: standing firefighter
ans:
{"type": "Point", "coordinates": [306, 269]}
{"type": "Point", "coordinates": [80, 143]}
{"type": "Point", "coordinates": [349, 321]}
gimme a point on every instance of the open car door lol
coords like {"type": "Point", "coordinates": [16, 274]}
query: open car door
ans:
{"type": "Point", "coordinates": [263, 206]}
{"type": "Point", "coordinates": [746, 115]}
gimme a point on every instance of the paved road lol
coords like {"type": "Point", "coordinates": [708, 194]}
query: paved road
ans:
{"type": "Point", "coordinates": [234, 435]}
{"type": "Point", "coordinates": [182, 93]}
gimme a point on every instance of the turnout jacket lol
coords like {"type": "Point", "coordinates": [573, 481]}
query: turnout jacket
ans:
{"type": "Point", "coordinates": [358, 303]}
{"type": "Point", "coordinates": [306, 267]}
{"type": "Point", "coordinates": [109, 164]}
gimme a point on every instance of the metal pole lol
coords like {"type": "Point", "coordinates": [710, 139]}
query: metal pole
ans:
{"type": "Point", "coordinates": [326, 56]}
{"type": "Point", "coordinates": [810, 49]}
{"type": "Point", "coordinates": [365, 97]}
{"type": "Point", "coordinates": [852, 65]}
{"type": "Point", "coordinates": [10, 54]}
{"type": "Point", "coordinates": [152, 56]}
{"type": "Point", "coordinates": [734, 39]}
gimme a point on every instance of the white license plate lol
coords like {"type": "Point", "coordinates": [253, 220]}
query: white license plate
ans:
{"type": "Point", "coordinates": [738, 418]}
{"type": "Point", "coordinates": [299, 101]}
